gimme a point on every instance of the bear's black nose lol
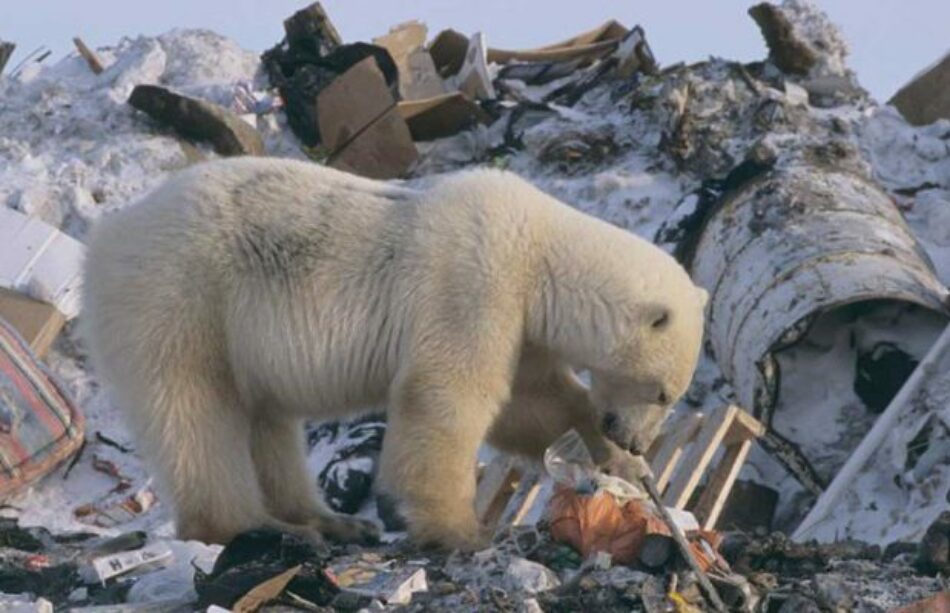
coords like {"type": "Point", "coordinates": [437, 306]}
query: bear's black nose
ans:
{"type": "Point", "coordinates": [608, 423]}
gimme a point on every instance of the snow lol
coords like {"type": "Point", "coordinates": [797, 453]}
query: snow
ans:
{"type": "Point", "coordinates": [71, 150]}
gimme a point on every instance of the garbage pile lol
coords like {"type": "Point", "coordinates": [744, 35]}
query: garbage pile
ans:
{"type": "Point", "coordinates": [817, 219]}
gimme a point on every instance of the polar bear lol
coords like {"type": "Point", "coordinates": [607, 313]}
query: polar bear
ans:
{"type": "Point", "coordinates": [243, 296]}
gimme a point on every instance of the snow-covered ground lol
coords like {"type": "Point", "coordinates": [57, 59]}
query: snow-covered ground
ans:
{"type": "Point", "coordinates": [71, 150]}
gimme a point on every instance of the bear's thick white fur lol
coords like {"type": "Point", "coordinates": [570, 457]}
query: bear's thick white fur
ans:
{"type": "Point", "coordinates": [245, 295]}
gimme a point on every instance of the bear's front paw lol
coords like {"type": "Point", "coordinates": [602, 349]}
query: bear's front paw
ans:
{"type": "Point", "coordinates": [347, 529]}
{"type": "Point", "coordinates": [464, 535]}
{"type": "Point", "coordinates": [631, 468]}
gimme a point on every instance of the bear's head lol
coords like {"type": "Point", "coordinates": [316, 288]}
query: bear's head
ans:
{"type": "Point", "coordinates": [649, 369]}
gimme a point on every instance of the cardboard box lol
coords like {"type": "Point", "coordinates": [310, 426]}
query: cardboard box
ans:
{"type": "Point", "coordinates": [40, 261]}
{"type": "Point", "coordinates": [360, 126]}
{"type": "Point", "coordinates": [384, 150]}
{"type": "Point", "coordinates": [37, 322]}
{"type": "Point", "coordinates": [349, 104]}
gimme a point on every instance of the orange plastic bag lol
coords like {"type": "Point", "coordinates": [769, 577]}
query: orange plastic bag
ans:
{"type": "Point", "coordinates": [597, 522]}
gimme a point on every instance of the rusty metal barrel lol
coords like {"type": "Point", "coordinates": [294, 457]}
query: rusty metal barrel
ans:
{"type": "Point", "coordinates": [789, 246]}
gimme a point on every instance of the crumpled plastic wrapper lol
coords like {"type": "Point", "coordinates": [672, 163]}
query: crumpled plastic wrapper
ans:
{"type": "Point", "coordinates": [570, 464]}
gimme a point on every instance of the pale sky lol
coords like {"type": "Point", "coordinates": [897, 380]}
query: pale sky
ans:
{"type": "Point", "coordinates": [890, 39]}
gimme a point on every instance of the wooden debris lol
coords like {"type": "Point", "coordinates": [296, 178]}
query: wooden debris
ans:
{"type": "Point", "coordinates": [508, 496]}
{"type": "Point", "coordinates": [198, 120]}
{"type": "Point", "coordinates": [678, 471]}
{"type": "Point", "coordinates": [699, 456]}
{"type": "Point", "coordinates": [679, 459]}
{"type": "Point", "coordinates": [448, 51]}
{"type": "Point", "coordinates": [926, 98]}
{"type": "Point", "coordinates": [312, 23]}
{"type": "Point", "coordinates": [6, 50]}
{"type": "Point", "coordinates": [680, 540]}
{"type": "Point", "coordinates": [669, 448]}
{"type": "Point", "coordinates": [265, 591]}
{"type": "Point", "coordinates": [787, 51]}
{"type": "Point", "coordinates": [89, 55]}
{"type": "Point", "coordinates": [495, 488]}
{"type": "Point", "coordinates": [523, 499]}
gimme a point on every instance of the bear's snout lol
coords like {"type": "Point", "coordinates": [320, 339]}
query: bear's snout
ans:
{"type": "Point", "coordinates": [618, 431]}
{"type": "Point", "coordinates": [634, 429]}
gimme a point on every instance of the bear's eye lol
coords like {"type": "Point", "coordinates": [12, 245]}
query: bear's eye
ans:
{"type": "Point", "coordinates": [662, 321]}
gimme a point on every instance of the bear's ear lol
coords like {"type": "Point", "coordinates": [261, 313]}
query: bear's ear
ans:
{"type": "Point", "coordinates": [703, 298]}
{"type": "Point", "coordinates": [658, 316]}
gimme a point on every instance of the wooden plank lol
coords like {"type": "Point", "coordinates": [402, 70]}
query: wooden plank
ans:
{"type": "Point", "coordinates": [679, 434]}
{"type": "Point", "coordinates": [89, 55]}
{"type": "Point", "coordinates": [744, 427]}
{"type": "Point", "coordinates": [700, 454]}
{"type": "Point", "coordinates": [720, 483]}
{"type": "Point", "coordinates": [495, 488]}
{"type": "Point", "coordinates": [6, 50]}
{"type": "Point", "coordinates": [521, 501]}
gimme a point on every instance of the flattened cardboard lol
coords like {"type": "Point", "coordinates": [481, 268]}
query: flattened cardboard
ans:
{"type": "Point", "coordinates": [441, 116]}
{"type": "Point", "coordinates": [558, 54]}
{"type": "Point", "coordinates": [609, 30]}
{"type": "Point", "coordinates": [349, 104]}
{"type": "Point", "coordinates": [37, 322]}
{"type": "Point", "coordinates": [384, 150]}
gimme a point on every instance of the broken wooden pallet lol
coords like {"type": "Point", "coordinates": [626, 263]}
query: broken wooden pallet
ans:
{"type": "Point", "coordinates": [679, 459]}
{"type": "Point", "coordinates": [510, 495]}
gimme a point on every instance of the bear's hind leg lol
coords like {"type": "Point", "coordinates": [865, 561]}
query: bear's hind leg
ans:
{"type": "Point", "coordinates": [197, 436]}
{"type": "Point", "coordinates": [278, 450]}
